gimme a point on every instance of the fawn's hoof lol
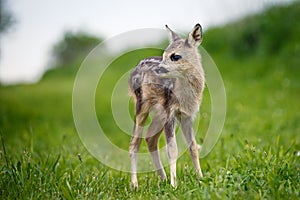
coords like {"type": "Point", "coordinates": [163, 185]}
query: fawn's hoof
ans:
{"type": "Point", "coordinates": [200, 175]}
{"type": "Point", "coordinates": [174, 183]}
{"type": "Point", "coordinates": [134, 185]}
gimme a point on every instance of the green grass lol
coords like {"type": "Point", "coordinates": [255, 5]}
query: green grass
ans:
{"type": "Point", "coordinates": [257, 156]}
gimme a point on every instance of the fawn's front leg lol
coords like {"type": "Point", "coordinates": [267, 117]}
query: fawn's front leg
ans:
{"type": "Point", "coordinates": [152, 137]}
{"type": "Point", "coordinates": [172, 150]}
{"type": "Point", "coordinates": [187, 129]}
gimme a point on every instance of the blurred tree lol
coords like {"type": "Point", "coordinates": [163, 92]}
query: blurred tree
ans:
{"type": "Point", "coordinates": [72, 47]}
{"type": "Point", "coordinates": [6, 18]}
{"type": "Point", "coordinates": [272, 33]}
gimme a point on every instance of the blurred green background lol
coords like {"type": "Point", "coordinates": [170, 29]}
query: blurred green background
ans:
{"type": "Point", "coordinates": [257, 156]}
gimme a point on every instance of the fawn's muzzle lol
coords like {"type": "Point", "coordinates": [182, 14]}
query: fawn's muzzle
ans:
{"type": "Point", "coordinates": [161, 70]}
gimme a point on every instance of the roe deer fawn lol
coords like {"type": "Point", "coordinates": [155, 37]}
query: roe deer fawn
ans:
{"type": "Point", "coordinates": [170, 87]}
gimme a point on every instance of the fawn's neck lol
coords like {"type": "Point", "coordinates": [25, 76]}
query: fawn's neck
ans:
{"type": "Point", "coordinates": [188, 90]}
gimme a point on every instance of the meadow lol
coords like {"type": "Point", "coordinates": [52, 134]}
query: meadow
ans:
{"type": "Point", "coordinates": [256, 157]}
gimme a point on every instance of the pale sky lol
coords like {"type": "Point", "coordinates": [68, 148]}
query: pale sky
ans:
{"type": "Point", "coordinates": [26, 49]}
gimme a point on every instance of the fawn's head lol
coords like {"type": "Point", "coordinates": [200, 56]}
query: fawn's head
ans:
{"type": "Point", "coordinates": [182, 54]}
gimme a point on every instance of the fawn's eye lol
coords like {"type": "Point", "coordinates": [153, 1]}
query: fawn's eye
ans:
{"type": "Point", "coordinates": [175, 57]}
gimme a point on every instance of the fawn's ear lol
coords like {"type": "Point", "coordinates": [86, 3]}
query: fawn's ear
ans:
{"type": "Point", "coordinates": [195, 36]}
{"type": "Point", "coordinates": [172, 35]}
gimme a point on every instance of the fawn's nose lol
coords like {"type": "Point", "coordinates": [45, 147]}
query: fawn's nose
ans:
{"type": "Point", "coordinates": [162, 64]}
{"type": "Point", "coordinates": [161, 70]}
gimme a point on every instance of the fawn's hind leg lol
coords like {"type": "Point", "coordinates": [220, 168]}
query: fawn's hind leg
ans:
{"type": "Point", "coordinates": [188, 132]}
{"type": "Point", "coordinates": [135, 142]}
{"type": "Point", "coordinates": [172, 150]}
{"type": "Point", "coordinates": [152, 137]}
